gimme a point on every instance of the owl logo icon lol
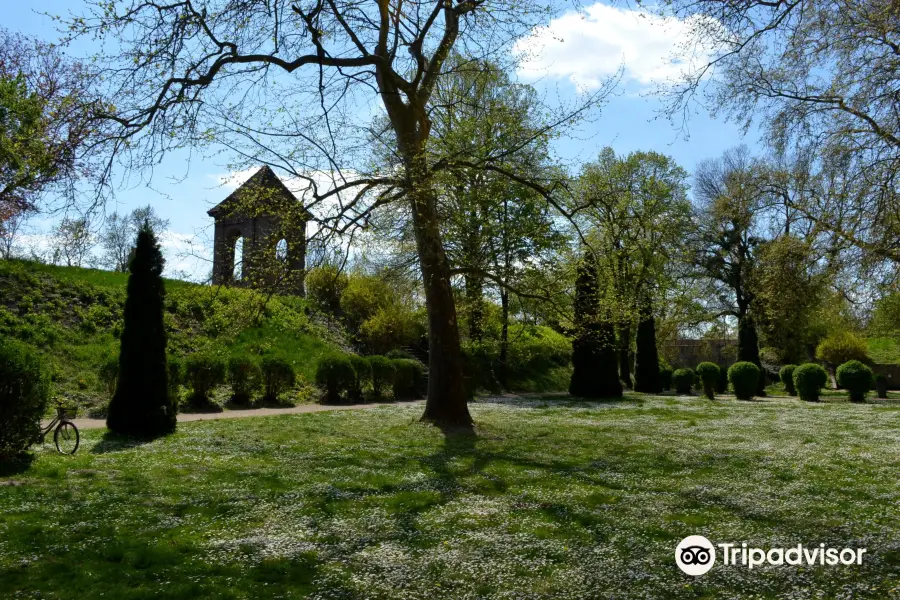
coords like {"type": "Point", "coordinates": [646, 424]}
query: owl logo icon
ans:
{"type": "Point", "coordinates": [695, 555]}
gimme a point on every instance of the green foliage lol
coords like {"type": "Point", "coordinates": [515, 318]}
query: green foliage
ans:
{"type": "Point", "coordinates": [362, 376]}
{"type": "Point", "coordinates": [786, 374]}
{"type": "Point", "coordinates": [809, 379]}
{"type": "Point", "coordinates": [841, 347]}
{"type": "Point", "coordinates": [141, 405]}
{"type": "Point", "coordinates": [203, 372]}
{"type": "Point", "coordinates": [884, 350]}
{"type": "Point", "coordinates": [390, 327]}
{"type": "Point", "coordinates": [683, 380]}
{"type": "Point", "coordinates": [336, 375]}
{"type": "Point", "coordinates": [856, 378]}
{"type": "Point", "coordinates": [480, 361]}
{"type": "Point", "coordinates": [277, 375]}
{"type": "Point", "coordinates": [363, 297]}
{"type": "Point", "coordinates": [243, 376]}
{"type": "Point", "coordinates": [109, 374]}
{"type": "Point", "coordinates": [175, 373]}
{"type": "Point", "coordinates": [744, 378]}
{"type": "Point", "coordinates": [709, 376]}
{"type": "Point", "coordinates": [408, 376]}
{"type": "Point", "coordinates": [382, 374]}
{"type": "Point", "coordinates": [24, 394]}
{"type": "Point", "coordinates": [324, 287]}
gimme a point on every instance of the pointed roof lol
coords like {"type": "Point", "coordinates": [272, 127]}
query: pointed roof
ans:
{"type": "Point", "coordinates": [264, 178]}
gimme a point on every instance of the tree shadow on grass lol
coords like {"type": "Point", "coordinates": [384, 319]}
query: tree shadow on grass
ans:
{"type": "Point", "coordinates": [114, 442]}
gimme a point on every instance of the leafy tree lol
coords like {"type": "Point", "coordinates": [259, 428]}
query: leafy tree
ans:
{"type": "Point", "coordinates": [120, 231]}
{"type": "Point", "coordinates": [44, 122]}
{"type": "Point", "coordinates": [141, 406]}
{"type": "Point", "coordinates": [637, 213]}
{"type": "Point", "coordinates": [72, 240]}
{"type": "Point", "coordinates": [302, 69]}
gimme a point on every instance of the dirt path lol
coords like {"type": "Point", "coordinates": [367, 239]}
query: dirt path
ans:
{"type": "Point", "coordinates": [253, 412]}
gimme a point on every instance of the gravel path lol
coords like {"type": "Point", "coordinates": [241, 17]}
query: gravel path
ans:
{"type": "Point", "coordinates": [86, 423]}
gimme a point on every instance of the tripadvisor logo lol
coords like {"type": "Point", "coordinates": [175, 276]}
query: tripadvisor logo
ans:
{"type": "Point", "coordinates": [695, 555]}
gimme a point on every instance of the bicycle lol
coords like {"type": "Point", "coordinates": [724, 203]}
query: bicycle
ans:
{"type": "Point", "coordinates": [66, 437]}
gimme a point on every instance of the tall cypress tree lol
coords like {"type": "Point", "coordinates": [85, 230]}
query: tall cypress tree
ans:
{"type": "Point", "coordinates": [141, 406]}
{"type": "Point", "coordinates": [646, 361]}
{"type": "Point", "coordinates": [595, 372]}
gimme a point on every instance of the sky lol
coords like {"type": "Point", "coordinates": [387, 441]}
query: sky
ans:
{"type": "Point", "coordinates": [575, 52]}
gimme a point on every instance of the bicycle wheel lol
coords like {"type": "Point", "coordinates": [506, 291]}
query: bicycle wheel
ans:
{"type": "Point", "coordinates": [67, 438]}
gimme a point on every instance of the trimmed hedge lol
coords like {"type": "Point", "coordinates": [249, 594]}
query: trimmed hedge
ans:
{"type": "Point", "coordinates": [683, 380]}
{"type": "Point", "coordinates": [382, 374]}
{"type": "Point", "coordinates": [407, 378]}
{"type": "Point", "coordinates": [744, 378]}
{"type": "Point", "coordinates": [362, 371]}
{"type": "Point", "coordinates": [809, 379]}
{"type": "Point", "coordinates": [24, 395]}
{"type": "Point", "coordinates": [277, 375]}
{"type": "Point", "coordinates": [786, 374]}
{"type": "Point", "coordinates": [336, 375]}
{"type": "Point", "coordinates": [856, 378]}
{"type": "Point", "coordinates": [243, 375]}
{"type": "Point", "coordinates": [203, 372]}
{"type": "Point", "coordinates": [709, 376]}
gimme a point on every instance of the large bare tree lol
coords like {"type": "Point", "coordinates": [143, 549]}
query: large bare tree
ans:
{"type": "Point", "coordinates": [297, 85]}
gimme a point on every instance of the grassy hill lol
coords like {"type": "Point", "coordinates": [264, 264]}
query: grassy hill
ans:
{"type": "Point", "coordinates": [73, 316]}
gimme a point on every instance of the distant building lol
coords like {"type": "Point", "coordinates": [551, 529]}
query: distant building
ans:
{"type": "Point", "coordinates": [266, 224]}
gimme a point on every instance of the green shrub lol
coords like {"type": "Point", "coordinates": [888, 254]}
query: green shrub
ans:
{"type": "Point", "coordinates": [786, 374]}
{"type": "Point", "coordinates": [856, 378]}
{"type": "Point", "coordinates": [841, 347]}
{"type": "Point", "coordinates": [24, 394]}
{"type": "Point", "coordinates": [809, 379]}
{"type": "Point", "coordinates": [744, 379]}
{"type": "Point", "coordinates": [665, 377]}
{"type": "Point", "coordinates": [362, 375]}
{"type": "Point", "coordinates": [407, 378]}
{"type": "Point", "coordinates": [683, 380]}
{"type": "Point", "coordinates": [382, 374]}
{"type": "Point", "coordinates": [881, 386]}
{"type": "Point", "coordinates": [336, 374]}
{"type": "Point", "coordinates": [277, 375]}
{"type": "Point", "coordinates": [109, 374]}
{"type": "Point", "coordinates": [175, 374]}
{"type": "Point", "coordinates": [324, 287]}
{"type": "Point", "coordinates": [709, 376]}
{"type": "Point", "coordinates": [203, 372]}
{"type": "Point", "coordinates": [243, 376]}
{"type": "Point", "coordinates": [479, 363]}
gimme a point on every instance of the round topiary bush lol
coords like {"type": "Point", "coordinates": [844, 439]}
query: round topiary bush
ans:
{"type": "Point", "coordinates": [24, 394]}
{"type": "Point", "coordinates": [203, 372]}
{"type": "Point", "coordinates": [243, 375]}
{"type": "Point", "coordinates": [856, 378]}
{"type": "Point", "coordinates": [744, 378]}
{"type": "Point", "coordinates": [382, 374]}
{"type": "Point", "coordinates": [786, 374]}
{"type": "Point", "coordinates": [336, 374]}
{"type": "Point", "coordinates": [709, 377]}
{"type": "Point", "coordinates": [683, 380]}
{"type": "Point", "coordinates": [362, 371]}
{"type": "Point", "coordinates": [665, 377]}
{"type": "Point", "coordinates": [407, 378]}
{"type": "Point", "coordinates": [809, 379]}
{"type": "Point", "coordinates": [277, 375]}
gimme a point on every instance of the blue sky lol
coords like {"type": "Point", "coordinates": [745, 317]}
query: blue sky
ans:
{"type": "Point", "coordinates": [576, 51]}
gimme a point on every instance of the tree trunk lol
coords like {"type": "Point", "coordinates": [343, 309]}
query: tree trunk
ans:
{"type": "Point", "coordinates": [625, 355]}
{"type": "Point", "coordinates": [502, 375]}
{"type": "Point", "coordinates": [446, 401]}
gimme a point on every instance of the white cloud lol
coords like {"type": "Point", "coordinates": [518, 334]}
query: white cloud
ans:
{"type": "Point", "coordinates": [588, 47]}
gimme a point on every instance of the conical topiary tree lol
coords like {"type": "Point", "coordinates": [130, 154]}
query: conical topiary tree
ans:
{"type": "Point", "coordinates": [595, 372]}
{"type": "Point", "coordinates": [748, 349]}
{"type": "Point", "coordinates": [141, 406]}
{"type": "Point", "coordinates": [646, 358]}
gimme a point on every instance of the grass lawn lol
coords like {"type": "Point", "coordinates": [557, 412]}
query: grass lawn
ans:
{"type": "Point", "coordinates": [547, 499]}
